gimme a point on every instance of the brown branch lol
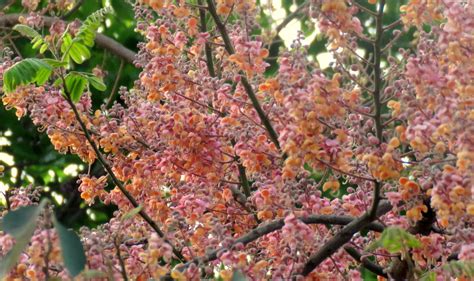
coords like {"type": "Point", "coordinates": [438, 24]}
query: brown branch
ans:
{"type": "Point", "coordinates": [343, 172]}
{"type": "Point", "coordinates": [207, 46]}
{"type": "Point", "coordinates": [342, 237]}
{"type": "Point", "coordinates": [74, 9]}
{"type": "Point", "coordinates": [393, 24]}
{"type": "Point", "coordinates": [123, 269]}
{"type": "Point", "coordinates": [290, 17]}
{"type": "Point", "coordinates": [275, 225]}
{"type": "Point", "coordinates": [101, 40]}
{"type": "Point", "coordinates": [367, 10]}
{"type": "Point", "coordinates": [113, 92]}
{"type": "Point", "coordinates": [210, 67]}
{"type": "Point", "coordinates": [112, 175]}
{"type": "Point", "coordinates": [373, 267]}
{"type": "Point", "coordinates": [248, 88]}
{"type": "Point", "coordinates": [378, 88]}
{"type": "Point", "coordinates": [377, 208]}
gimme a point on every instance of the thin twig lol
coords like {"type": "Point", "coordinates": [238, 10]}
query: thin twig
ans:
{"type": "Point", "coordinates": [390, 44]}
{"type": "Point", "coordinates": [290, 17]}
{"type": "Point", "coordinates": [393, 24]}
{"type": "Point", "coordinates": [378, 81]}
{"type": "Point", "coordinates": [377, 208]}
{"type": "Point", "coordinates": [112, 175]}
{"type": "Point", "coordinates": [275, 225]}
{"type": "Point", "coordinates": [248, 88]}
{"type": "Point", "coordinates": [373, 267]}
{"type": "Point", "coordinates": [74, 9]}
{"type": "Point", "coordinates": [101, 40]}
{"type": "Point", "coordinates": [207, 46]}
{"type": "Point", "coordinates": [113, 92]}
{"type": "Point", "coordinates": [342, 237]}
{"type": "Point", "coordinates": [367, 10]}
{"type": "Point", "coordinates": [123, 269]}
{"type": "Point", "coordinates": [344, 172]}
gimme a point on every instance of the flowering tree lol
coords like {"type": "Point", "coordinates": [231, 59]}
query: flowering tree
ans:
{"type": "Point", "coordinates": [221, 168]}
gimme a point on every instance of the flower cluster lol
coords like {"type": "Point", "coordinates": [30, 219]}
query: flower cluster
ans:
{"type": "Point", "coordinates": [250, 172]}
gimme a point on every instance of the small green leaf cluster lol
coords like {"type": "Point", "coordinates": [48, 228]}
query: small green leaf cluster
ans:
{"type": "Point", "coordinates": [39, 71]}
{"type": "Point", "coordinates": [395, 240]}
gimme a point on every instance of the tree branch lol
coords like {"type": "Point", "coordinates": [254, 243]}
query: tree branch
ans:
{"type": "Point", "coordinates": [123, 269]}
{"type": "Point", "coordinates": [114, 178]}
{"type": "Point", "coordinates": [101, 40]}
{"type": "Point", "coordinates": [248, 88]}
{"type": "Point", "coordinates": [290, 17]}
{"type": "Point", "coordinates": [378, 85]}
{"type": "Point", "coordinates": [373, 267]}
{"type": "Point", "coordinates": [377, 208]}
{"type": "Point", "coordinates": [113, 92]}
{"type": "Point", "coordinates": [207, 46]}
{"type": "Point", "coordinates": [74, 9]}
{"type": "Point", "coordinates": [275, 225]}
{"type": "Point", "coordinates": [342, 237]}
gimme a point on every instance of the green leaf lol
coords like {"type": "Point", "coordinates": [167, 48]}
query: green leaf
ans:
{"type": "Point", "coordinates": [37, 39]}
{"type": "Point", "coordinates": [66, 44]}
{"type": "Point", "coordinates": [264, 20]}
{"type": "Point", "coordinates": [130, 214]}
{"type": "Point", "coordinates": [122, 9]}
{"type": "Point", "coordinates": [395, 240]}
{"type": "Point", "coordinates": [37, 44]}
{"type": "Point", "coordinates": [42, 75]}
{"type": "Point", "coordinates": [75, 85]}
{"type": "Point", "coordinates": [79, 52]}
{"type": "Point", "coordinates": [78, 48]}
{"type": "Point", "coordinates": [43, 48]}
{"type": "Point", "coordinates": [238, 276]}
{"type": "Point", "coordinates": [307, 26]}
{"type": "Point", "coordinates": [71, 249]}
{"type": "Point", "coordinates": [96, 82]}
{"type": "Point", "coordinates": [25, 72]}
{"type": "Point", "coordinates": [26, 31]}
{"type": "Point", "coordinates": [428, 276]}
{"type": "Point", "coordinates": [21, 224]}
{"type": "Point", "coordinates": [55, 63]}
{"type": "Point", "coordinates": [368, 275]}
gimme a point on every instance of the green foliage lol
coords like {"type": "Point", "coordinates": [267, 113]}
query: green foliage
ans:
{"type": "Point", "coordinates": [86, 34]}
{"type": "Point", "coordinates": [75, 84]}
{"type": "Point", "coordinates": [78, 48]}
{"type": "Point", "coordinates": [368, 275]}
{"type": "Point", "coordinates": [96, 82]}
{"type": "Point", "coordinates": [71, 249]}
{"type": "Point", "coordinates": [90, 274]}
{"type": "Point", "coordinates": [428, 276]}
{"type": "Point", "coordinates": [26, 72]}
{"type": "Point", "coordinates": [77, 51]}
{"type": "Point", "coordinates": [55, 63]}
{"type": "Point", "coordinates": [20, 224]}
{"type": "Point", "coordinates": [36, 39]}
{"type": "Point", "coordinates": [32, 152]}
{"type": "Point", "coordinates": [395, 240]}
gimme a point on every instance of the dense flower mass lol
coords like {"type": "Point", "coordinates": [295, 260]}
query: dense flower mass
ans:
{"type": "Point", "coordinates": [274, 175]}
